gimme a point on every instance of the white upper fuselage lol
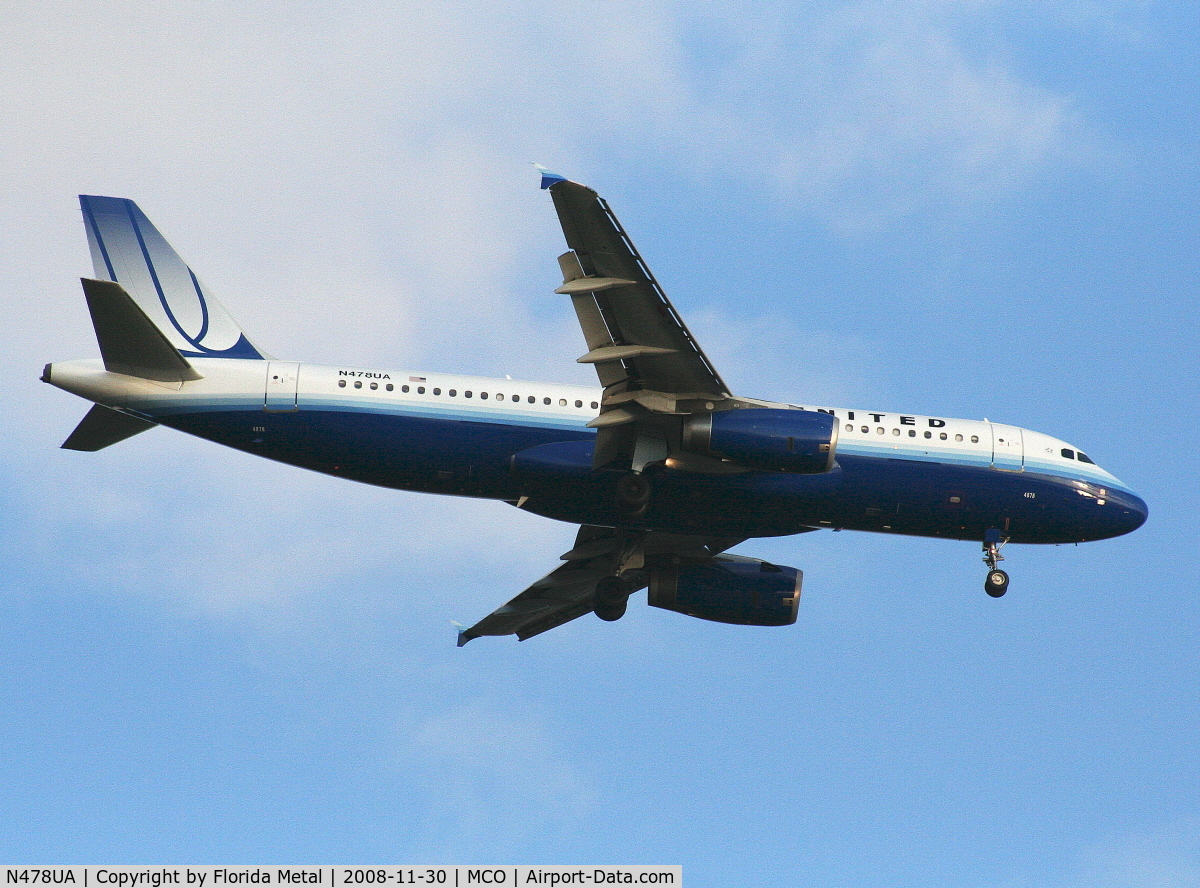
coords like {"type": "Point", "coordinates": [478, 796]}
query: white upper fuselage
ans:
{"type": "Point", "coordinates": [278, 386]}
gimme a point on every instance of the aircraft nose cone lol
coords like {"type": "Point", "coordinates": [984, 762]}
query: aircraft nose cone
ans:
{"type": "Point", "coordinates": [1130, 512]}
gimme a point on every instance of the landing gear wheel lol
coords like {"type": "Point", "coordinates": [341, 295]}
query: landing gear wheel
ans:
{"type": "Point", "coordinates": [996, 583]}
{"type": "Point", "coordinates": [633, 492]}
{"type": "Point", "coordinates": [612, 598]}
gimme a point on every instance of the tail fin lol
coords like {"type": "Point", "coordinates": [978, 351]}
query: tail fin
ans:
{"type": "Point", "coordinates": [128, 249]}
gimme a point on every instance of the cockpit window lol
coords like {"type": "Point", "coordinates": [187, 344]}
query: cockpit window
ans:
{"type": "Point", "coordinates": [1083, 457]}
{"type": "Point", "coordinates": [1068, 453]}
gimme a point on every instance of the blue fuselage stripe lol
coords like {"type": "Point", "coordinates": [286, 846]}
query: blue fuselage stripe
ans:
{"type": "Point", "coordinates": [470, 452]}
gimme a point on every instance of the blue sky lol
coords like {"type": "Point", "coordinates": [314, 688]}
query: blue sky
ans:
{"type": "Point", "coordinates": [964, 209]}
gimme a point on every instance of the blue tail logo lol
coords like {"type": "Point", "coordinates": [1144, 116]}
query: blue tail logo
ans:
{"type": "Point", "coordinates": [128, 249]}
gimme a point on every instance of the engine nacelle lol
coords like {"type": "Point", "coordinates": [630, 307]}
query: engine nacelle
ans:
{"type": "Point", "coordinates": [774, 440]}
{"type": "Point", "coordinates": [729, 589]}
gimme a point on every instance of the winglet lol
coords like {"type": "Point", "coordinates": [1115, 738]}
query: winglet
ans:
{"type": "Point", "coordinates": [549, 178]}
{"type": "Point", "coordinates": [463, 638]}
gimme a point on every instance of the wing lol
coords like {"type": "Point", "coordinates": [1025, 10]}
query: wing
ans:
{"type": "Point", "coordinates": [569, 591]}
{"type": "Point", "coordinates": [654, 375]}
{"type": "Point", "coordinates": [649, 363]}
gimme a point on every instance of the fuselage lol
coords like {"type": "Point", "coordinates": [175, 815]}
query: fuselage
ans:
{"type": "Point", "coordinates": [529, 444]}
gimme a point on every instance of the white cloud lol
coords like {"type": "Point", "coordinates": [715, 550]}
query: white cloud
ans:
{"type": "Point", "coordinates": [197, 529]}
{"type": "Point", "coordinates": [780, 361]}
{"type": "Point", "coordinates": [1169, 858]}
{"type": "Point", "coordinates": [353, 185]}
{"type": "Point", "coordinates": [353, 182]}
{"type": "Point", "coordinates": [864, 113]}
{"type": "Point", "coordinates": [492, 780]}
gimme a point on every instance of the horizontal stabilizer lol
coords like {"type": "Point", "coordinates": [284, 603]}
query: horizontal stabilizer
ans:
{"type": "Point", "coordinates": [104, 426]}
{"type": "Point", "coordinates": [130, 343]}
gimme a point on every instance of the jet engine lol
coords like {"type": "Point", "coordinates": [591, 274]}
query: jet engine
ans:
{"type": "Point", "coordinates": [774, 440]}
{"type": "Point", "coordinates": [729, 589]}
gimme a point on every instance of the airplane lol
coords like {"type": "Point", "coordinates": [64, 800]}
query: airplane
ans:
{"type": "Point", "coordinates": [663, 468]}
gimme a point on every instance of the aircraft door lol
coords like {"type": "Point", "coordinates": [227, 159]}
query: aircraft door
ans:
{"type": "Point", "coordinates": [282, 379]}
{"type": "Point", "coordinates": [1008, 448]}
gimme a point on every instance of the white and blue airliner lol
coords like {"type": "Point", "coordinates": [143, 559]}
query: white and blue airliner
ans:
{"type": "Point", "coordinates": [661, 465]}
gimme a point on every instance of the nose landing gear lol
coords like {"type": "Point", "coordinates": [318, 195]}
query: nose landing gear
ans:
{"type": "Point", "coordinates": [996, 583]}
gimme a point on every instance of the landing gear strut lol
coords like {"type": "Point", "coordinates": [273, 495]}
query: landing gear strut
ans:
{"type": "Point", "coordinates": [996, 583]}
{"type": "Point", "coordinates": [612, 597]}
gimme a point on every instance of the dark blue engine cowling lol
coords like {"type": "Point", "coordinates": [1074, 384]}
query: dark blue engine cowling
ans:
{"type": "Point", "coordinates": [729, 589]}
{"type": "Point", "coordinates": [774, 440]}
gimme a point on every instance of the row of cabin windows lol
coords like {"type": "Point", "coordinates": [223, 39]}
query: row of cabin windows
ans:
{"type": "Point", "coordinates": [912, 433]}
{"type": "Point", "coordinates": [1067, 452]}
{"type": "Point", "coordinates": [453, 393]}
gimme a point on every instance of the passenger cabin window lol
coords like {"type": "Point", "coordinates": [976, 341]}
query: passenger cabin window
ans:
{"type": "Point", "coordinates": [390, 387]}
{"type": "Point", "coordinates": [483, 396]}
{"type": "Point", "coordinates": [374, 386]}
{"type": "Point", "coordinates": [358, 383]}
{"type": "Point", "coordinates": [546, 401]}
{"type": "Point", "coordinates": [404, 389]}
{"type": "Point", "coordinates": [341, 383]}
{"type": "Point", "coordinates": [595, 405]}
